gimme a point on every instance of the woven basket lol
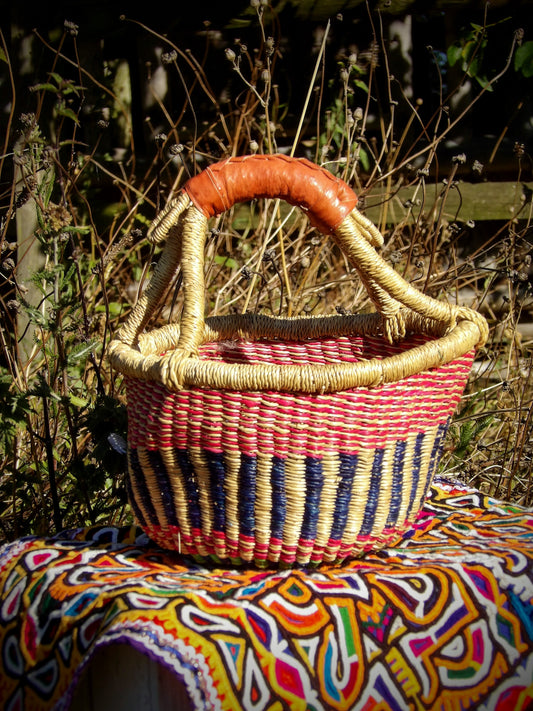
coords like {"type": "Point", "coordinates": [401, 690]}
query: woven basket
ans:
{"type": "Point", "coordinates": [286, 441]}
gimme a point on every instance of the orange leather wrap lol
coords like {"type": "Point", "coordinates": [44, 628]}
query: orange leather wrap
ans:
{"type": "Point", "coordinates": [326, 199]}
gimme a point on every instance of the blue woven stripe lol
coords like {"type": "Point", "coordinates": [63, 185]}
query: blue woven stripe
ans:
{"type": "Point", "coordinates": [436, 454]}
{"type": "Point", "coordinates": [314, 481]}
{"type": "Point", "coordinates": [347, 468]}
{"type": "Point", "coordinates": [163, 485]}
{"type": "Point", "coordinates": [141, 490]}
{"type": "Point", "coordinates": [373, 493]}
{"type": "Point", "coordinates": [279, 500]}
{"type": "Point", "coordinates": [247, 481]}
{"type": "Point", "coordinates": [417, 462]}
{"type": "Point", "coordinates": [191, 487]}
{"type": "Point", "coordinates": [397, 481]}
{"type": "Point", "coordinates": [217, 472]}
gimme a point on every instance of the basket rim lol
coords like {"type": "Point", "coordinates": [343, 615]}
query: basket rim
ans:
{"type": "Point", "coordinates": [156, 356]}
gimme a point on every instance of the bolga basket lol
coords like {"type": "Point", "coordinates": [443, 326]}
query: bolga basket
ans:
{"type": "Point", "coordinates": [288, 441]}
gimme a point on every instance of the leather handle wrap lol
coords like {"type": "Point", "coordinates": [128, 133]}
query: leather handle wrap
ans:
{"type": "Point", "coordinates": [327, 200]}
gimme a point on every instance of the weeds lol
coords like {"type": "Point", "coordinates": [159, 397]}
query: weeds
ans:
{"type": "Point", "coordinates": [78, 194]}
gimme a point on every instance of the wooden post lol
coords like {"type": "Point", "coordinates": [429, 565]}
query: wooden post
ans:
{"type": "Point", "coordinates": [29, 260]}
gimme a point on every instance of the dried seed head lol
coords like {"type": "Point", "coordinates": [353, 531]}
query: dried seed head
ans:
{"type": "Point", "coordinates": [28, 119]}
{"type": "Point", "coordinates": [519, 149]}
{"type": "Point", "coordinates": [102, 124]}
{"type": "Point", "coordinates": [254, 146]}
{"type": "Point", "coordinates": [460, 159]}
{"type": "Point", "coordinates": [230, 54]}
{"type": "Point", "coordinates": [176, 148]}
{"type": "Point", "coordinates": [246, 273]}
{"type": "Point", "coordinates": [169, 57]}
{"type": "Point", "coordinates": [345, 74]}
{"type": "Point", "coordinates": [265, 76]}
{"type": "Point", "coordinates": [71, 28]}
{"type": "Point", "coordinates": [358, 114]}
{"type": "Point", "coordinates": [477, 167]}
{"type": "Point", "coordinates": [160, 138]}
{"type": "Point", "coordinates": [13, 305]}
{"type": "Point", "coordinates": [352, 59]}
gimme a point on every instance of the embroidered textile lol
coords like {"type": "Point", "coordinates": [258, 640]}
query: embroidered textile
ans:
{"type": "Point", "coordinates": [443, 620]}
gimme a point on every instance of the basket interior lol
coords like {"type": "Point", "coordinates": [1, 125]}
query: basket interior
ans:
{"type": "Point", "coordinates": [343, 349]}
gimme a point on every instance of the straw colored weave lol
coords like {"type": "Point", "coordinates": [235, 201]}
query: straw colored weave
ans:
{"type": "Point", "coordinates": [286, 441]}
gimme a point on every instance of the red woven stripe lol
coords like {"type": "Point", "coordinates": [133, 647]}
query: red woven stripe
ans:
{"type": "Point", "coordinates": [282, 423]}
{"type": "Point", "coordinates": [274, 551]}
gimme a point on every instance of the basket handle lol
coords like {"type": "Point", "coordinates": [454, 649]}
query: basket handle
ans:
{"type": "Point", "coordinates": [324, 198]}
{"type": "Point", "coordinates": [330, 205]}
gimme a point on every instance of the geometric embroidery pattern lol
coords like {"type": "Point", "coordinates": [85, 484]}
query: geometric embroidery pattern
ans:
{"type": "Point", "coordinates": [442, 620]}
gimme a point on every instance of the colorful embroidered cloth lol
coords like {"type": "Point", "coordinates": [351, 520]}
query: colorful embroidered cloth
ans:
{"type": "Point", "coordinates": [444, 620]}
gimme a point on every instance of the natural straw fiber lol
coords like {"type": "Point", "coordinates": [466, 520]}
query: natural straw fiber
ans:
{"type": "Point", "coordinates": [286, 440]}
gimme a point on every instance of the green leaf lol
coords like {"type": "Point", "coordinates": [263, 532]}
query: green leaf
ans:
{"type": "Point", "coordinates": [365, 160]}
{"type": "Point", "coordinates": [3, 56]}
{"type": "Point", "coordinates": [77, 401]}
{"type": "Point", "coordinates": [46, 86]}
{"type": "Point", "coordinates": [226, 261]}
{"type": "Point", "coordinates": [454, 54]}
{"type": "Point", "coordinates": [35, 316]}
{"type": "Point", "coordinates": [83, 349]}
{"type": "Point", "coordinates": [523, 59]}
{"type": "Point", "coordinates": [63, 111]}
{"type": "Point", "coordinates": [484, 82]}
{"type": "Point", "coordinates": [115, 309]}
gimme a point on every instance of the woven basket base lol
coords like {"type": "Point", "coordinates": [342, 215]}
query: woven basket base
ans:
{"type": "Point", "coordinates": [172, 539]}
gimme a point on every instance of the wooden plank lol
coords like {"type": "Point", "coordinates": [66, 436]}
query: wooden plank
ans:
{"type": "Point", "coordinates": [120, 678]}
{"type": "Point", "coordinates": [464, 201]}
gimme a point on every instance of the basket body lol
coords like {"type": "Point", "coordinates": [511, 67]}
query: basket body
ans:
{"type": "Point", "coordinates": [297, 440]}
{"type": "Point", "coordinates": [286, 477]}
